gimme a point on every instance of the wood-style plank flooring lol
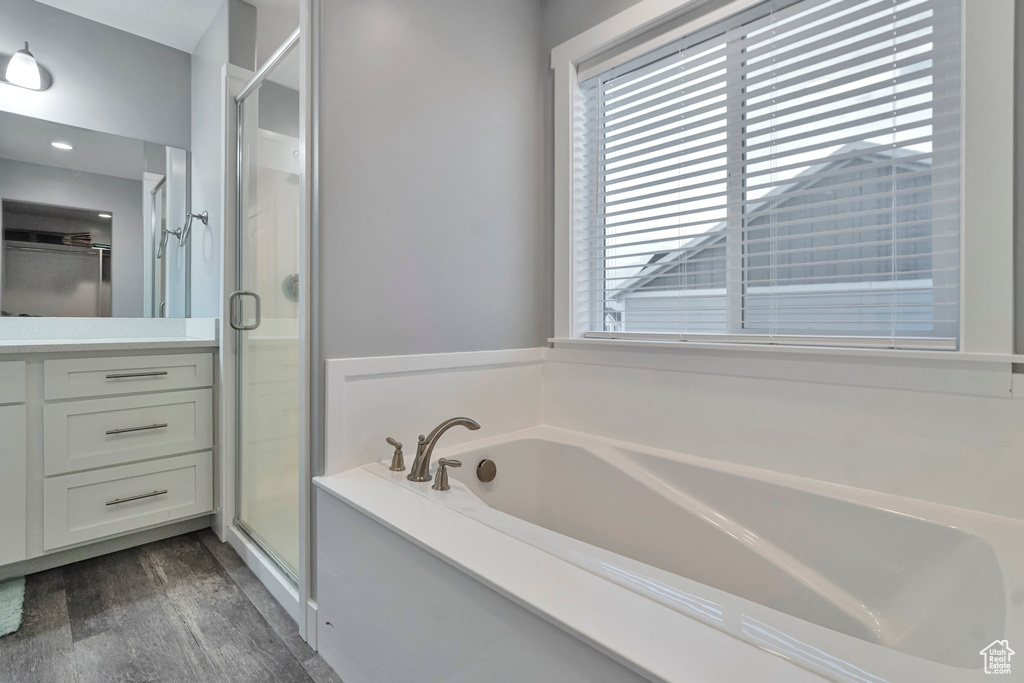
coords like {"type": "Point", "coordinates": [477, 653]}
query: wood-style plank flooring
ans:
{"type": "Point", "coordinates": [182, 609]}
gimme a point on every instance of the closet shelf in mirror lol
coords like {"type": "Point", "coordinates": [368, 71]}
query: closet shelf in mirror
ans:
{"type": "Point", "coordinates": [42, 246]}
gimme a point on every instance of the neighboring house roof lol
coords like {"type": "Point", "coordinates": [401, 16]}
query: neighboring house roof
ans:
{"type": "Point", "coordinates": [661, 263]}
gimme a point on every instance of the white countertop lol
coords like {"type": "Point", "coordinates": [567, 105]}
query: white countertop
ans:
{"type": "Point", "coordinates": [22, 346]}
{"type": "Point", "coordinates": [75, 335]}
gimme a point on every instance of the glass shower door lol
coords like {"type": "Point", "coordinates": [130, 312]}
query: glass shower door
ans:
{"type": "Point", "coordinates": [265, 311]}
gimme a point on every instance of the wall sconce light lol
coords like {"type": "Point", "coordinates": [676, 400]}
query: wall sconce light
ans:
{"type": "Point", "coordinates": [24, 71]}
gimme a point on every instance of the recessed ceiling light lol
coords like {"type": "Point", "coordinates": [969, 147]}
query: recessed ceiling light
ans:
{"type": "Point", "coordinates": [61, 145]}
{"type": "Point", "coordinates": [105, 215]}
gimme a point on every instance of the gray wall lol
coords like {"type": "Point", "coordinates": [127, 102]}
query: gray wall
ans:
{"type": "Point", "coordinates": [230, 37]}
{"type": "Point", "coordinates": [563, 19]}
{"type": "Point", "coordinates": [242, 34]}
{"type": "Point", "coordinates": [430, 237]}
{"type": "Point", "coordinates": [103, 79]}
{"type": "Point", "coordinates": [122, 197]}
{"type": "Point", "coordinates": [432, 231]}
{"type": "Point", "coordinates": [207, 166]}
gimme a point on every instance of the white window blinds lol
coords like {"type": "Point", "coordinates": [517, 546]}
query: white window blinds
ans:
{"type": "Point", "coordinates": [788, 175]}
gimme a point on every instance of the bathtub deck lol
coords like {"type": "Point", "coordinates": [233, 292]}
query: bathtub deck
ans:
{"type": "Point", "coordinates": [181, 609]}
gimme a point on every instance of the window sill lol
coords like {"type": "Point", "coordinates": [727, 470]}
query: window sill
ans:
{"type": "Point", "coordinates": [942, 372]}
{"type": "Point", "coordinates": [756, 350]}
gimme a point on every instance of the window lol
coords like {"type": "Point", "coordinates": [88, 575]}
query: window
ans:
{"type": "Point", "coordinates": [790, 174]}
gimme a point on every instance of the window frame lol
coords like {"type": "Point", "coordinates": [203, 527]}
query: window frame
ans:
{"type": "Point", "coordinates": [986, 219]}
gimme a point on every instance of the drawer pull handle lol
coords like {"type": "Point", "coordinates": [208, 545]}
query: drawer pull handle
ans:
{"type": "Point", "coordinates": [125, 430]}
{"type": "Point", "coordinates": [118, 501]}
{"type": "Point", "coordinates": [126, 375]}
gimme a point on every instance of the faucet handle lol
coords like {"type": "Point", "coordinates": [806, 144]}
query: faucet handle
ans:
{"type": "Point", "coordinates": [441, 476]}
{"type": "Point", "coordinates": [397, 461]}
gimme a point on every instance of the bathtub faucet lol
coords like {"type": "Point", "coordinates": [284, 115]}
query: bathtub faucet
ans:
{"type": "Point", "coordinates": [420, 470]}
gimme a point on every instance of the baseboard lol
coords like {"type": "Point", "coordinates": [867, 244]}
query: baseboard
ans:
{"type": "Point", "coordinates": [311, 623]}
{"type": "Point", "coordinates": [279, 585]}
{"type": "Point", "coordinates": [105, 547]}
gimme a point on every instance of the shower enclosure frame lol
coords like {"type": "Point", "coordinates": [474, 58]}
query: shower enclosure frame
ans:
{"type": "Point", "coordinates": [292, 591]}
{"type": "Point", "coordinates": [291, 43]}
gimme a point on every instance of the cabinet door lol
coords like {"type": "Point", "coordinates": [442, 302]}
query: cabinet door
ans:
{"type": "Point", "coordinates": [12, 381]}
{"type": "Point", "coordinates": [13, 460]}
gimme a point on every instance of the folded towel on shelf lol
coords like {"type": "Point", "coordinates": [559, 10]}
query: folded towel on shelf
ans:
{"type": "Point", "coordinates": [78, 239]}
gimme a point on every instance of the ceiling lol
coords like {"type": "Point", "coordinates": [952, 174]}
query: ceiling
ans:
{"type": "Point", "coordinates": [23, 138]}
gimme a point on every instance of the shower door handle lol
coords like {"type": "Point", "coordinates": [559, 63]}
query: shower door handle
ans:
{"type": "Point", "coordinates": [235, 310]}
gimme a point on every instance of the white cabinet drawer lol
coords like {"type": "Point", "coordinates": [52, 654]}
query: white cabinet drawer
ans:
{"type": "Point", "coordinates": [80, 435]}
{"type": "Point", "coordinates": [90, 505]}
{"type": "Point", "coordinates": [12, 381]}
{"type": "Point", "coordinates": [13, 484]}
{"type": "Point", "coordinates": [85, 377]}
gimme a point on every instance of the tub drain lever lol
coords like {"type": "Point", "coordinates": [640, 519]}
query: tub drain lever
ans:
{"type": "Point", "coordinates": [441, 476]}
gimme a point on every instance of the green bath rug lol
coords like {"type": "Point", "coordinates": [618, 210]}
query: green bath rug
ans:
{"type": "Point", "coordinates": [12, 598]}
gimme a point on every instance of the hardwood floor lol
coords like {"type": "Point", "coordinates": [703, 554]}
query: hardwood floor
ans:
{"type": "Point", "coordinates": [182, 609]}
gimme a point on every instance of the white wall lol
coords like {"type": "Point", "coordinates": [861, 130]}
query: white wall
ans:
{"type": "Point", "coordinates": [370, 399]}
{"type": "Point", "coordinates": [431, 224]}
{"type": "Point", "coordinates": [57, 186]}
{"type": "Point", "coordinates": [939, 431]}
{"type": "Point", "coordinates": [103, 79]}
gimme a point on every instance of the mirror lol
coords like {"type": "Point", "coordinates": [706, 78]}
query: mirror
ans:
{"type": "Point", "coordinates": [139, 91]}
{"type": "Point", "coordinates": [91, 224]}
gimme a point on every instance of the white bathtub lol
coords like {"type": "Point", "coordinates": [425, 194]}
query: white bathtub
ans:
{"type": "Point", "coordinates": [843, 583]}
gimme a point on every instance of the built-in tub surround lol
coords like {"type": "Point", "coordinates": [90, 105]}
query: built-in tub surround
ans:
{"type": "Point", "coordinates": [898, 585]}
{"type": "Point", "coordinates": [838, 508]}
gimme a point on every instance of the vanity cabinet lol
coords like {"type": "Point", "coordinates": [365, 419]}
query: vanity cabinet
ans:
{"type": "Point", "coordinates": [94, 448]}
{"type": "Point", "coordinates": [13, 462]}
